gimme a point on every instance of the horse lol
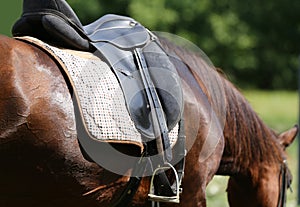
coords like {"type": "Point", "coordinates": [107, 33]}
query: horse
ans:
{"type": "Point", "coordinates": [42, 164]}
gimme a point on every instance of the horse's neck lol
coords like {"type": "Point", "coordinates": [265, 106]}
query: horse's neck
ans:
{"type": "Point", "coordinates": [248, 141]}
{"type": "Point", "coordinates": [247, 138]}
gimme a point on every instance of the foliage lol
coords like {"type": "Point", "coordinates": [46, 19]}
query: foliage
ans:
{"type": "Point", "coordinates": [10, 11]}
{"type": "Point", "coordinates": [255, 42]}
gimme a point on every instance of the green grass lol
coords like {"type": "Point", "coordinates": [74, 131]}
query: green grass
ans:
{"type": "Point", "coordinates": [279, 109]}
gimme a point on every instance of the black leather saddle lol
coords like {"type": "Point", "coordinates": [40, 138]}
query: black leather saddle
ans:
{"type": "Point", "coordinates": [148, 78]}
{"type": "Point", "coordinates": [113, 38]}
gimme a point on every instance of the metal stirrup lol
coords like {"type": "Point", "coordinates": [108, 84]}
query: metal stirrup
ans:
{"type": "Point", "coordinates": [169, 199]}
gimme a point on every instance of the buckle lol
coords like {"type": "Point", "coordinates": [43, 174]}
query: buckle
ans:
{"type": "Point", "coordinates": [176, 187]}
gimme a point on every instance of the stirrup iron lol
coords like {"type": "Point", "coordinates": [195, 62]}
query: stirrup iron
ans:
{"type": "Point", "coordinates": [177, 189]}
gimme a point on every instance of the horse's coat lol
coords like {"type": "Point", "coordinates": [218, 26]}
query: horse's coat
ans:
{"type": "Point", "coordinates": [41, 163]}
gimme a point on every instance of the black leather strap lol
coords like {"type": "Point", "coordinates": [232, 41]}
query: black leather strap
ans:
{"type": "Point", "coordinates": [133, 184]}
{"type": "Point", "coordinates": [156, 110]}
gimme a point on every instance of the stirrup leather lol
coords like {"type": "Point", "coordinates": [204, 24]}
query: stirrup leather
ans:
{"type": "Point", "coordinates": [177, 188]}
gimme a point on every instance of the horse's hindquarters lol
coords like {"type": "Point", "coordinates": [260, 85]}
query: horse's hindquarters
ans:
{"type": "Point", "coordinates": [37, 130]}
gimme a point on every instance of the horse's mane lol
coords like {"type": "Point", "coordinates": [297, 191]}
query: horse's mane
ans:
{"type": "Point", "coordinates": [248, 140]}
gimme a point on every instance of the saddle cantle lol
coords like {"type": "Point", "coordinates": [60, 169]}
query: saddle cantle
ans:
{"type": "Point", "coordinates": [149, 80]}
{"type": "Point", "coordinates": [52, 21]}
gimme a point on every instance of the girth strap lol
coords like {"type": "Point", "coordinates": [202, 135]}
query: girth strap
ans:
{"type": "Point", "coordinates": [133, 183]}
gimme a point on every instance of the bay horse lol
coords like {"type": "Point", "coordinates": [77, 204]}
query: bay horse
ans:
{"type": "Point", "coordinates": [42, 165]}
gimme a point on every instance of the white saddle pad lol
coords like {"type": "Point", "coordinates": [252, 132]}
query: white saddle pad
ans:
{"type": "Point", "coordinates": [99, 95]}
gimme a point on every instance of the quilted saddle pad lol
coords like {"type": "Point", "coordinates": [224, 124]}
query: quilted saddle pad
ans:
{"type": "Point", "coordinates": [99, 95]}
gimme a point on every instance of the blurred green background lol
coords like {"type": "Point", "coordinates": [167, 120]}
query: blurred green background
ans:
{"type": "Point", "coordinates": [255, 42]}
{"type": "Point", "coordinates": [279, 109]}
{"type": "Point", "coordinates": [10, 11]}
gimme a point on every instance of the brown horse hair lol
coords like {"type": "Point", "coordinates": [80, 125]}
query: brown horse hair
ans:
{"type": "Point", "coordinates": [248, 140]}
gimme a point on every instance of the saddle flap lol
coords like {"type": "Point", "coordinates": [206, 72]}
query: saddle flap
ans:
{"type": "Point", "coordinates": [122, 32]}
